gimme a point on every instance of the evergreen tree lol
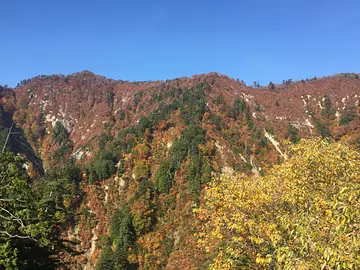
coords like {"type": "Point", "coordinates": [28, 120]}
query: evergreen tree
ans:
{"type": "Point", "coordinates": [293, 133]}
{"type": "Point", "coordinates": [164, 177]}
{"type": "Point", "coordinates": [271, 86]}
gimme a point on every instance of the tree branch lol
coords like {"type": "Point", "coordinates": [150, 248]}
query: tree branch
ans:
{"type": "Point", "coordinates": [16, 235]}
{"type": "Point", "coordinates": [15, 218]}
{"type": "Point", "coordinates": [11, 200]}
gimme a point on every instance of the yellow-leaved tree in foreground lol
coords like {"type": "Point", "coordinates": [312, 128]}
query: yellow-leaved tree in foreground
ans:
{"type": "Point", "coordinates": [303, 214]}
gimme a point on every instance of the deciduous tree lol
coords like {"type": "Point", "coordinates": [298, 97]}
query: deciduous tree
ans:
{"type": "Point", "coordinates": [303, 214]}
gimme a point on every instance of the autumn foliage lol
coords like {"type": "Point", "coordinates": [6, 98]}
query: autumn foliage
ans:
{"type": "Point", "coordinates": [125, 163]}
{"type": "Point", "coordinates": [303, 214]}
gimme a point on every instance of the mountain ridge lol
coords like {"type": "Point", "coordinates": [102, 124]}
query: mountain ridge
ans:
{"type": "Point", "coordinates": [146, 150]}
{"type": "Point", "coordinates": [124, 93]}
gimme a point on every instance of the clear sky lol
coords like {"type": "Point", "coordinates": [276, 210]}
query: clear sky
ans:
{"type": "Point", "coordinates": [253, 40]}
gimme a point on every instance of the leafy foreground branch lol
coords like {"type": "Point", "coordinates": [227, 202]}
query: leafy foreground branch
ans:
{"type": "Point", "coordinates": [27, 236]}
{"type": "Point", "coordinates": [304, 214]}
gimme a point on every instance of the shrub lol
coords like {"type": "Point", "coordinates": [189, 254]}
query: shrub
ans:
{"type": "Point", "coordinates": [141, 170]}
{"type": "Point", "coordinates": [327, 109]}
{"type": "Point", "coordinates": [322, 129]}
{"type": "Point", "coordinates": [347, 117]}
{"type": "Point", "coordinates": [121, 114]}
{"type": "Point", "coordinates": [293, 133]}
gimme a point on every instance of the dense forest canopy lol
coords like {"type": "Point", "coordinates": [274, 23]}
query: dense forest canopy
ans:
{"type": "Point", "coordinates": [201, 172]}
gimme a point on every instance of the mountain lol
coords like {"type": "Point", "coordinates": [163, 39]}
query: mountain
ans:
{"type": "Point", "coordinates": [84, 102]}
{"type": "Point", "coordinates": [147, 149]}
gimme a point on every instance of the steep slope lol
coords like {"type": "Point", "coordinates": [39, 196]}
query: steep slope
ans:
{"type": "Point", "coordinates": [12, 137]}
{"type": "Point", "coordinates": [146, 149]}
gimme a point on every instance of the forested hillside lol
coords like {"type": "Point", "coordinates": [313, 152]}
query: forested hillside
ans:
{"type": "Point", "coordinates": [189, 173]}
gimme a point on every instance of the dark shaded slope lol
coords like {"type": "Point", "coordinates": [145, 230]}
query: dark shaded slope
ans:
{"type": "Point", "coordinates": [15, 141]}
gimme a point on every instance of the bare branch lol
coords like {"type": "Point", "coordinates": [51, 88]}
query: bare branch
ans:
{"type": "Point", "coordinates": [7, 138]}
{"type": "Point", "coordinates": [15, 218]}
{"type": "Point", "coordinates": [16, 235]}
{"type": "Point", "coordinates": [6, 218]}
{"type": "Point", "coordinates": [11, 200]}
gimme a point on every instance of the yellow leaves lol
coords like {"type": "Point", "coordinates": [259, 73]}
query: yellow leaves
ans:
{"type": "Point", "coordinates": [216, 234]}
{"type": "Point", "coordinates": [238, 239]}
{"type": "Point", "coordinates": [263, 260]}
{"type": "Point", "coordinates": [343, 189]}
{"type": "Point", "coordinates": [327, 253]}
{"type": "Point", "coordinates": [281, 258]}
{"type": "Point", "coordinates": [329, 213]}
{"type": "Point", "coordinates": [303, 207]}
{"type": "Point", "coordinates": [222, 262]}
{"type": "Point", "coordinates": [256, 240]}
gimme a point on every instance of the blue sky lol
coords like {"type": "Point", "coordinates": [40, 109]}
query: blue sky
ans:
{"type": "Point", "coordinates": [253, 40]}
